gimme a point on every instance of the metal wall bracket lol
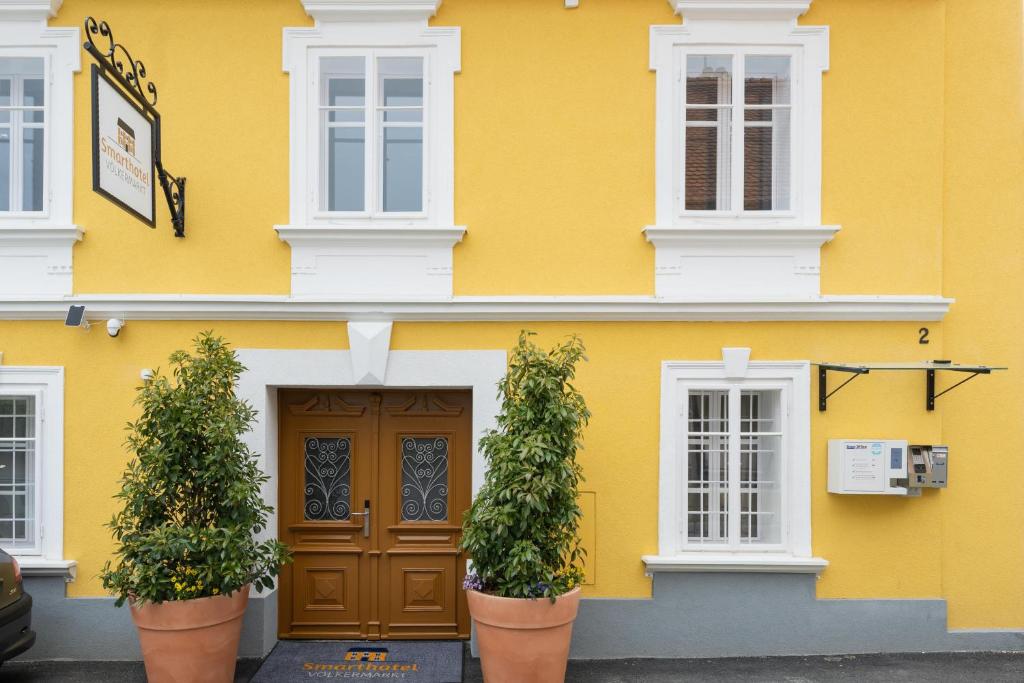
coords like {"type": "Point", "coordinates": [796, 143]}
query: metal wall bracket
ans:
{"type": "Point", "coordinates": [823, 394]}
{"type": "Point", "coordinates": [129, 73]}
{"type": "Point", "coordinates": [930, 394]}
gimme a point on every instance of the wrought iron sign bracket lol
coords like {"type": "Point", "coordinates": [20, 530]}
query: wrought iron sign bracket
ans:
{"type": "Point", "coordinates": [128, 72]}
{"type": "Point", "coordinates": [929, 368]}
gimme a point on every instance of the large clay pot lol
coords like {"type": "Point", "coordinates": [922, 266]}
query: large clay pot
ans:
{"type": "Point", "coordinates": [191, 641]}
{"type": "Point", "coordinates": [523, 641]}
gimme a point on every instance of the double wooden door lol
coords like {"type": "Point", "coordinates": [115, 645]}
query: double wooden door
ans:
{"type": "Point", "coordinates": [373, 485]}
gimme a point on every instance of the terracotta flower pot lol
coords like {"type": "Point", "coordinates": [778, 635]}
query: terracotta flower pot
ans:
{"type": "Point", "coordinates": [523, 641]}
{"type": "Point", "coordinates": [191, 641]}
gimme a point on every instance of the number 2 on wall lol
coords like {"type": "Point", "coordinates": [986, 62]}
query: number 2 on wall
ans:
{"type": "Point", "coordinates": [923, 339]}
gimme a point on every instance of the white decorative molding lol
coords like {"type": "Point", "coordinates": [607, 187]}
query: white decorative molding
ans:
{"type": "Point", "coordinates": [771, 563]}
{"type": "Point", "coordinates": [370, 10]}
{"type": "Point", "coordinates": [268, 369]}
{"type": "Point", "coordinates": [737, 254]}
{"type": "Point", "coordinates": [572, 4]}
{"type": "Point", "coordinates": [372, 253]}
{"type": "Point", "coordinates": [36, 247]}
{"type": "Point", "coordinates": [362, 261]}
{"type": "Point", "coordinates": [29, 10]}
{"type": "Point", "coordinates": [733, 262]}
{"type": "Point", "coordinates": [369, 344]}
{"type": "Point", "coordinates": [735, 361]}
{"type": "Point", "coordinates": [918, 308]}
{"type": "Point", "coordinates": [46, 383]}
{"type": "Point", "coordinates": [36, 260]}
{"type": "Point", "coordinates": [741, 10]}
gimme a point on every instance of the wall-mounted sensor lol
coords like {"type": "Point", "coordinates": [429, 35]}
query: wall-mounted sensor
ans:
{"type": "Point", "coordinates": [114, 326]}
{"type": "Point", "coordinates": [76, 318]}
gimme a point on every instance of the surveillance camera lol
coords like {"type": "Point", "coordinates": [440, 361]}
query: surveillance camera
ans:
{"type": "Point", "coordinates": [114, 326]}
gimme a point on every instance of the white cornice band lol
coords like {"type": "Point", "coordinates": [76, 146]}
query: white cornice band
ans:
{"type": "Point", "coordinates": [29, 10]}
{"type": "Point", "coordinates": [740, 10]}
{"type": "Point", "coordinates": [370, 10]}
{"type": "Point", "coordinates": [478, 308]}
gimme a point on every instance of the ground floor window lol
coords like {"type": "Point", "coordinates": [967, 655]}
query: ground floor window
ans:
{"type": "Point", "coordinates": [18, 439]}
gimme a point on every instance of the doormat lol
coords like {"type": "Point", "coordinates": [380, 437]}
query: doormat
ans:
{"type": "Point", "coordinates": [412, 661]}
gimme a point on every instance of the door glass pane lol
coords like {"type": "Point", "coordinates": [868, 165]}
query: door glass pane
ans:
{"type": "Point", "coordinates": [328, 489]}
{"type": "Point", "coordinates": [17, 471]}
{"type": "Point", "coordinates": [760, 466]}
{"type": "Point", "coordinates": [766, 134]}
{"type": "Point", "coordinates": [708, 138]}
{"type": "Point", "coordinates": [707, 510]}
{"type": "Point", "coordinates": [403, 169]}
{"type": "Point", "coordinates": [424, 479]}
{"type": "Point", "coordinates": [32, 170]}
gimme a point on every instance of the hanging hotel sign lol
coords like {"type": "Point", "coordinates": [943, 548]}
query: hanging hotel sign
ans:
{"type": "Point", "coordinates": [126, 134]}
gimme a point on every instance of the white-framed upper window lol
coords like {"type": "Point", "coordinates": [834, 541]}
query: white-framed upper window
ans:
{"type": "Point", "coordinates": [23, 116]}
{"type": "Point", "coordinates": [32, 465]}
{"type": "Point", "coordinates": [372, 133]}
{"type": "Point", "coordinates": [735, 150]}
{"type": "Point", "coordinates": [734, 484]}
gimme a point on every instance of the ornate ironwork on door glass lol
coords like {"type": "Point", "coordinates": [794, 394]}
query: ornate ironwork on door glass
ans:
{"type": "Point", "coordinates": [328, 462]}
{"type": "Point", "coordinates": [424, 479]}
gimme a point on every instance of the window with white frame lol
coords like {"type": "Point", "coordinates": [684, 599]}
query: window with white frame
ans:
{"type": "Point", "coordinates": [734, 486]}
{"type": "Point", "coordinates": [372, 172]}
{"type": "Point", "coordinates": [735, 149]}
{"type": "Point", "coordinates": [372, 119]}
{"type": "Point", "coordinates": [22, 134]}
{"type": "Point", "coordinates": [32, 466]}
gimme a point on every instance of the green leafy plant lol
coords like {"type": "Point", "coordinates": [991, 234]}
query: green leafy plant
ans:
{"type": "Point", "coordinates": [191, 503]}
{"type": "Point", "coordinates": [522, 530]}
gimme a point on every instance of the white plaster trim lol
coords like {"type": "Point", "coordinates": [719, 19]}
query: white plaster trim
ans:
{"type": "Point", "coordinates": [269, 369]}
{"type": "Point", "coordinates": [918, 308]}
{"type": "Point", "coordinates": [36, 247]}
{"type": "Point", "coordinates": [735, 362]}
{"type": "Point", "coordinates": [370, 344]}
{"type": "Point", "coordinates": [370, 10]}
{"type": "Point", "coordinates": [741, 10]}
{"type": "Point", "coordinates": [726, 562]}
{"type": "Point", "coordinates": [47, 384]}
{"type": "Point", "coordinates": [36, 566]}
{"type": "Point", "coordinates": [793, 377]}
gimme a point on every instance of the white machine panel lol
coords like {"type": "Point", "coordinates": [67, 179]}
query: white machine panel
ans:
{"type": "Point", "coordinates": [870, 466]}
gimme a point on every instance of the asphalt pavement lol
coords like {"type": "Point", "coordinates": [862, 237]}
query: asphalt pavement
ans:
{"type": "Point", "coordinates": [890, 668]}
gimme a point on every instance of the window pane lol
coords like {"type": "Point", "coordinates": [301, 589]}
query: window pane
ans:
{"type": "Point", "coordinates": [403, 169]}
{"type": "Point", "coordinates": [17, 473]}
{"type": "Point", "coordinates": [401, 88]}
{"type": "Point", "coordinates": [346, 150]}
{"type": "Point", "coordinates": [424, 479]}
{"type": "Point", "coordinates": [346, 92]}
{"type": "Point", "coordinates": [5, 168]}
{"type": "Point", "coordinates": [345, 81]}
{"type": "Point", "coordinates": [5, 90]}
{"type": "Point", "coordinates": [707, 512]}
{"type": "Point", "coordinates": [32, 170]}
{"type": "Point", "coordinates": [766, 80]}
{"type": "Point", "coordinates": [328, 478]}
{"type": "Point", "coordinates": [760, 466]}
{"type": "Point", "coordinates": [708, 139]}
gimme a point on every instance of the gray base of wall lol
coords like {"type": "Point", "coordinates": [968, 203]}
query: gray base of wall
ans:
{"type": "Point", "coordinates": [93, 629]}
{"type": "Point", "coordinates": [689, 615]}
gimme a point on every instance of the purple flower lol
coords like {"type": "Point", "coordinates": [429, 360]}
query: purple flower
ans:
{"type": "Point", "coordinates": [472, 582]}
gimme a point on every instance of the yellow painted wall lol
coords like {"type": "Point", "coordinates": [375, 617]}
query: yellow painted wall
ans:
{"type": "Point", "coordinates": [554, 178]}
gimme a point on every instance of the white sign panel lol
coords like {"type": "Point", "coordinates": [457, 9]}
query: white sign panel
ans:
{"type": "Point", "coordinates": [122, 150]}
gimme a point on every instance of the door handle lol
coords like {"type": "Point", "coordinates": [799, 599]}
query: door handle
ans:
{"type": "Point", "coordinates": [365, 514]}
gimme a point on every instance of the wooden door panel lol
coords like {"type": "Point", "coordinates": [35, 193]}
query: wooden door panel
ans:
{"type": "Point", "coordinates": [407, 453]}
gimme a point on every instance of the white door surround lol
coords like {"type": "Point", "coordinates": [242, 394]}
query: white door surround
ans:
{"type": "Point", "coordinates": [271, 369]}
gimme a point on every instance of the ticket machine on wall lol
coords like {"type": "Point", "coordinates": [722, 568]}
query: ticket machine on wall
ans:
{"type": "Point", "coordinates": [885, 467]}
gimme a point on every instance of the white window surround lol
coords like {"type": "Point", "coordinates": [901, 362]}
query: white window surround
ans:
{"type": "Point", "coordinates": [372, 255]}
{"type": "Point", "coordinates": [794, 553]}
{"type": "Point", "coordinates": [739, 254]}
{"type": "Point", "coordinates": [35, 247]}
{"type": "Point", "coordinates": [47, 384]}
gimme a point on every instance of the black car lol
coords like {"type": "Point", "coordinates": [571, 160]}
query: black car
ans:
{"type": "Point", "coordinates": [16, 634]}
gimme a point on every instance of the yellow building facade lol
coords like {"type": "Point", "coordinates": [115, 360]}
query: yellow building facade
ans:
{"type": "Point", "coordinates": [716, 196]}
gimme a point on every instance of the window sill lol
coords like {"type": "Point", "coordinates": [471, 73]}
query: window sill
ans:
{"type": "Point", "coordinates": [768, 563]}
{"type": "Point", "coordinates": [33, 565]}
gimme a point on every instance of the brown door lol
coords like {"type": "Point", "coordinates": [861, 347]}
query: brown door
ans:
{"type": "Point", "coordinates": [373, 485]}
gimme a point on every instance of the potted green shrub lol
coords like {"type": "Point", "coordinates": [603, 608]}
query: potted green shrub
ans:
{"type": "Point", "coordinates": [522, 530]}
{"type": "Point", "coordinates": [187, 549]}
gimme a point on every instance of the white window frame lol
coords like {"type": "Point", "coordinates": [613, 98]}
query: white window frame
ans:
{"type": "Point", "coordinates": [43, 238]}
{"type": "Point", "coordinates": [47, 385]}
{"type": "Point", "coordinates": [17, 128]}
{"type": "Point", "coordinates": [793, 553]}
{"type": "Point", "coordinates": [372, 254]}
{"type": "Point", "coordinates": [738, 126]}
{"type": "Point", "coordinates": [373, 167]}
